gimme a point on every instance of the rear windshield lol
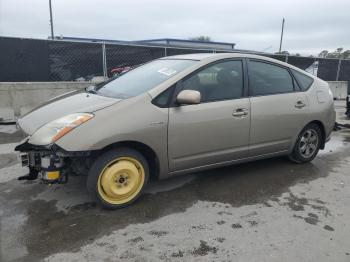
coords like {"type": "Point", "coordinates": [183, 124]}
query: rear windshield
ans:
{"type": "Point", "coordinates": [143, 78]}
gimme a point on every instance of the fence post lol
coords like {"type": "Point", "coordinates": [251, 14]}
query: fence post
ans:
{"type": "Point", "coordinates": [313, 67]}
{"type": "Point", "coordinates": [104, 60]}
{"type": "Point", "coordinates": [286, 60]}
{"type": "Point", "coordinates": [338, 70]}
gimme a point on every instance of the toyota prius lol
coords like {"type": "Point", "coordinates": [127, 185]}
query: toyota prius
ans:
{"type": "Point", "coordinates": [176, 115]}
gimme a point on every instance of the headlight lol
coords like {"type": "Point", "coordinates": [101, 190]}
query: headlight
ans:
{"type": "Point", "coordinates": [56, 129]}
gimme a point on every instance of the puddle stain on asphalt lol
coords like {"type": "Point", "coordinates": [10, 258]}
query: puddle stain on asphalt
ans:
{"type": "Point", "coordinates": [296, 203]}
{"type": "Point", "coordinates": [244, 184]}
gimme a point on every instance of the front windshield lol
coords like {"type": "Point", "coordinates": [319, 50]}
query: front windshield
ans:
{"type": "Point", "coordinates": [143, 78]}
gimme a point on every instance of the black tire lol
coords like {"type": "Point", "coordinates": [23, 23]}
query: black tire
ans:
{"type": "Point", "coordinates": [99, 165]}
{"type": "Point", "coordinates": [297, 156]}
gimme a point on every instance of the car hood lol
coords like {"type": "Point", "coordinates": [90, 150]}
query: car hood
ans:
{"type": "Point", "coordinates": [73, 102]}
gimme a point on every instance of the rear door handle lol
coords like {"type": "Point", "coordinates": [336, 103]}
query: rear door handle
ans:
{"type": "Point", "coordinates": [240, 112]}
{"type": "Point", "coordinates": [300, 104]}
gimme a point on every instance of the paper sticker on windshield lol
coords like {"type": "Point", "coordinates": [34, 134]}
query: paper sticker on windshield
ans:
{"type": "Point", "coordinates": [167, 71]}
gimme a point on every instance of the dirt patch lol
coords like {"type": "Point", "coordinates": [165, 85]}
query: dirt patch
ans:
{"type": "Point", "coordinates": [158, 233]}
{"type": "Point", "coordinates": [178, 254]}
{"type": "Point", "coordinates": [136, 240]}
{"type": "Point", "coordinates": [204, 249]}
{"type": "Point", "coordinates": [220, 239]}
{"type": "Point", "coordinates": [224, 213]}
{"type": "Point", "coordinates": [251, 214]}
{"type": "Point", "coordinates": [311, 219]}
{"type": "Point", "coordinates": [253, 223]}
{"type": "Point", "coordinates": [323, 209]}
{"type": "Point", "coordinates": [236, 226]}
{"type": "Point", "coordinates": [298, 204]}
{"type": "Point", "coordinates": [295, 203]}
{"type": "Point", "coordinates": [329, 228]}
{"type": "Point", "coordinates": [199, 227]}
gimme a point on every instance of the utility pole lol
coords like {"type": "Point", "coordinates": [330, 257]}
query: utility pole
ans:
{"type": "Point", "coordinates": [281, 36]}
{"type": "Point", "coordinates": [51, 21]}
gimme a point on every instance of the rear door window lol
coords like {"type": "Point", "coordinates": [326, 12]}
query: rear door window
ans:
{"type": "Point", "coordinates": [268, 79]}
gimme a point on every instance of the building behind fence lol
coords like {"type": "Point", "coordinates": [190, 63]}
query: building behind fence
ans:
{"type": "Point", "coordinates": [24, 60]}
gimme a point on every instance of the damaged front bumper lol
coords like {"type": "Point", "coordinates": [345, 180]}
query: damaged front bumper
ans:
{"type": "Point", "coordinates": [50, 163]}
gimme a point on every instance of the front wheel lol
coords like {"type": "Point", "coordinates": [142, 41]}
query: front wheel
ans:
{"type": "Point", "coordinates": [307, 145]}
{"type": "Point", "coordinates": [118, 177]}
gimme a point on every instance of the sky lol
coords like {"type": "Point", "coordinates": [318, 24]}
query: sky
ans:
{"type": "Point", "coordinates": [310, 27]}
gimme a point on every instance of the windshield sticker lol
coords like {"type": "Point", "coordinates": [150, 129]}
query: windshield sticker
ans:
{"type": "Point", "coordinates": [167, 71]}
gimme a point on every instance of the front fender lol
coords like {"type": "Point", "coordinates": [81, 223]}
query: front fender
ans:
{"type": "Point", "coordinates": [135, 119]}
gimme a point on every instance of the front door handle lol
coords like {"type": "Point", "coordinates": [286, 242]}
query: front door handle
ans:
{"type": "Point", "coordinates": [300, 104]}
{"type": "Point", "coordinates": [240, 112]}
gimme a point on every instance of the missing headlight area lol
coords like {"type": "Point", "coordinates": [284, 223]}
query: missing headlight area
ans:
{"type": "Point", "coordinates": [50, 163]}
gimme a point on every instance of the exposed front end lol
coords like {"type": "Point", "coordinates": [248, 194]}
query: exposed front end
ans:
{"type": "Point", "coordinates": [50, 163]}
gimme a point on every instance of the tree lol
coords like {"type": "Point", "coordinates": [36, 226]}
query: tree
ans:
{"type": "Point", "coordinates": [323, 54]}
{"type": "Point", "coordinates": [202, 38]}
{"type": "Point", "coordinates": [339, 50]}
{"type": "Point", "coordinates": [346, 54]}
{"type": "Point", "coordinates": [338, 53]}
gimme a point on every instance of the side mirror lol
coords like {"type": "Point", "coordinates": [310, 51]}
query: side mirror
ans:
{"type": "Point", "coordinates": [188, 97]}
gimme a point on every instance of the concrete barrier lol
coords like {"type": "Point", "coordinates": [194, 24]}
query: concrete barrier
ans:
{"type": "Point", "coordinates": [339, 89]}
{"type": "Point", "coordinates": [17, 98]}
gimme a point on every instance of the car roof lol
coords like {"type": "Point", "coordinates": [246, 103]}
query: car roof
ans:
{"type": "Point", "coordinates": [204, 56]}
{"type": "Point", "coordinates": [195, 56]}
{"type": "Point", "coordinates": [217, 56]}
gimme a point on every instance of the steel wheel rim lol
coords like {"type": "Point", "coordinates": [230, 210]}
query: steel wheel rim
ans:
{"type": "Point", "coordinates": [308, 143]}
{"type": "Point", "coordinates": [121, 180]}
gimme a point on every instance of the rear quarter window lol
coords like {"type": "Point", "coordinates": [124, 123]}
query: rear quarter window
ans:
{"type": "Point", "coordinates": [303, 80]}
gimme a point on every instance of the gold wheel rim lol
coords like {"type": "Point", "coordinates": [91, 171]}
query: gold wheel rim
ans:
{"type": "Point", "coordinates": [121, 180]}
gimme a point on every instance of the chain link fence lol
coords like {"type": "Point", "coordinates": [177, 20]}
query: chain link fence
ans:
{"type": "Point", "coordinates": [74, 61]}
{"type": "Point", "coordinates": [118, 56]}
{"type": "Point", "coordinates": [58, 60]}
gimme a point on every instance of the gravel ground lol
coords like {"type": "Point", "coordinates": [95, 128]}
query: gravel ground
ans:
{"type": "Point", "coordinates": [269, 210]}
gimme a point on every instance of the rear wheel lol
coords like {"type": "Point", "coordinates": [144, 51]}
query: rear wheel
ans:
{"type": "Point", "coordinates": [307, 145]}
{"type": "Point", "coordinates": [118, 177]}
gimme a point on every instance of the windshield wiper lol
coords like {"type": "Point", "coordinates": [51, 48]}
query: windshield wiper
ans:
{"type": "Point", "coordinates": [91, 89]}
